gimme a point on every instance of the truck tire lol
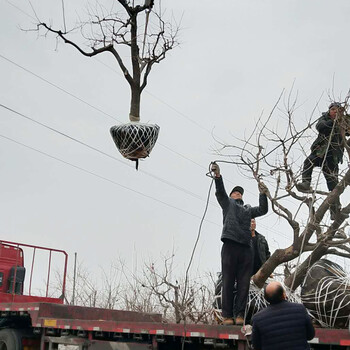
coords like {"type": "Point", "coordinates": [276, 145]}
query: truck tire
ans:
{"type": "Point", "coordinates": [10, 339]}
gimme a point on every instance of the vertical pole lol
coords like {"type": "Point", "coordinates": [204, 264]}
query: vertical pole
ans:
{"type": "Point", "coordinates": [64, 275]}
{"type": "Point", "coordinates": [48, 275]}
{"type": "Point", "coordinates": [31, 273]}
{"type": "Point", "coordinates": [74, 277]}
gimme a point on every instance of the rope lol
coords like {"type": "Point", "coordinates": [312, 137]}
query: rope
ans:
{"type": "Point", "coordinates": [192, 255]}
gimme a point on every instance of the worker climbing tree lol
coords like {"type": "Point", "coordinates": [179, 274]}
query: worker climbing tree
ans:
{"type": "Point", "coordinates": [327, 151]}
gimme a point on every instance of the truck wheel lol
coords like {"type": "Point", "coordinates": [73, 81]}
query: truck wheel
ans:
{"type": "Point", "coordinates": [10, 339]}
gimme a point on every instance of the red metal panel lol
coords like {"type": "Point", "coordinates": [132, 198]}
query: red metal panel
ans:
{"type": "Point", "coordinates": [332, 336]}
{"type": "Point", "coordinates": [48, 315]}
{"type": "Point", "coordinates": [10, 256]}
{"type": "Point", "coordinates": [16, 298]}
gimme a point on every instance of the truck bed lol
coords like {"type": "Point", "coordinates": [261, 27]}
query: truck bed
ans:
{"type": "Point", "coordinates": [96, 322]}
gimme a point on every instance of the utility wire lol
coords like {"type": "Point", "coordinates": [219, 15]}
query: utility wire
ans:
{"type": "Point", "coordinates": [104, 178]}
{"type": "Point", "coordinates": [112, 157]}
{"type": "Point", "coordinates": [99, 151]}
{"type": "Point", "coordinates": [110, 116]}
{"type": "Point", "coordinates": [92, 106]}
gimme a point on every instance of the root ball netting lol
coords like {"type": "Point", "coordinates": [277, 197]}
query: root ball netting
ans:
{"type": "Point", "coordinates": [255, 302]}
{"type": "Point", "coordinates": [326, 294]}
{"type": "Point", "coordinates": [135, 140]}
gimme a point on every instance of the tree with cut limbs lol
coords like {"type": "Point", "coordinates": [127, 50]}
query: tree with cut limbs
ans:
{"type": "Point", "coordinates": [273, 153]}
{"type": "Point", "coordinates": [110, 32]}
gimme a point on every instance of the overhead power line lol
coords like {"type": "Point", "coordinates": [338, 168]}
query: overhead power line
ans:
{"type": "Point", "coordinates": [105, 178]}
{"type": "Point", "coordinates": [114, 158]}
{"type": "Point", "coordinates": [99, 151]}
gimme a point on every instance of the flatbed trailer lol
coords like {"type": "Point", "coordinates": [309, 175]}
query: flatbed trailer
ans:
{"type": "Point", "coordinates": [43, 326]}
{"type": "Point", "coordinates": [29, 322]}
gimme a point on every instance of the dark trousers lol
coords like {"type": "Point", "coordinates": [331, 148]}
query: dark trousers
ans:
{"type": "Point", "coordinates": [236, 266]}
{"type": "Point", "coordinates": [330, 169]}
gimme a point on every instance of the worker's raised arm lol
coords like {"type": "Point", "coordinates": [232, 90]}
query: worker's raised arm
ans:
{"type": "Point", "coordinates": [263, 207]}
{"type": "Point", "coordinates": [220, 192]}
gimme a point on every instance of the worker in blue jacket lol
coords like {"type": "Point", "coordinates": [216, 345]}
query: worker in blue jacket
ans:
{"type": "Point", "coordinates": [281, 325]}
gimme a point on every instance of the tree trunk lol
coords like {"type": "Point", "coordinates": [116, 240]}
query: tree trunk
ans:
{"type": "Point", "coordinates": [177, 306]}
{"type": "Point", "coordinates": [301, 271]}
{"type": "Point", "coordinates": [134, 115]}
{"type": "Point", "coordinates": [278, 257]}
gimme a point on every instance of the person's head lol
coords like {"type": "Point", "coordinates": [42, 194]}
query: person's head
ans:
{"type": "Point", "coordinates": [252, 224]}
{"type": "Point", "coordinates": [274, 293]}
{"type": "Point", "coordinates": [237, 192]}
{"type": "Point", "coordinates": [333, 109]}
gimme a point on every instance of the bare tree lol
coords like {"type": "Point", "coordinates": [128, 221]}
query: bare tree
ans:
{"type": "Point", "coordinates": [156, 290]}
{"type": "Point", "coordinates": [106, 31]}
{"type": "Point", "coordinates": [273, 153]}
{"type": "Point", "coordinates": [103, 291]}
{"type": "Point", "coordinates": [167, 293]}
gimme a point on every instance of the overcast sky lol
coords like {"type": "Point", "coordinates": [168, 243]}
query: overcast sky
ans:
{"type": "Point", "coordinates": [234, 60]}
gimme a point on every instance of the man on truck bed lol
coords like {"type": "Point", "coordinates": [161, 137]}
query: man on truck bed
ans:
{"type": "Point", "coordinates": [282, 325]}
{"type": "Point", "coordinates": [237, 251]}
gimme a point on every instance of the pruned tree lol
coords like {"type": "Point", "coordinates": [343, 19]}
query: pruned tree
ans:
{"type": "Point", "coordinates": [177, 303]}
{"type": "Point", "coordinates": [273, 153]}
{"type": "Point", "coordinates": [156, 289]}
{"type": "Point", "coordinates": [140, 28]}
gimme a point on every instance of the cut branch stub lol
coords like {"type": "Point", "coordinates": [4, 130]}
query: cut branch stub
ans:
{"type": "Point", "coordinates": [135, 140]}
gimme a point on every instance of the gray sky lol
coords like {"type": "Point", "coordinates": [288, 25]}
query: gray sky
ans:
{"type": "Point", "coordinates": [234, 60]}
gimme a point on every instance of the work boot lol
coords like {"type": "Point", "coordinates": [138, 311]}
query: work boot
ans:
{"type": "Point", "coordinates": [303, 186]}
{"type": "Point", "coordinates": [239, 320]}
{"type": "Point", "coordinates": [228, 321]}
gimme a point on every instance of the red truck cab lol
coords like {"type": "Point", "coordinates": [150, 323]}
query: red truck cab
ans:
{"type": "Point", "coordinates": [12, 270]}
{"type": "Point", "coordinates": [13, 273]}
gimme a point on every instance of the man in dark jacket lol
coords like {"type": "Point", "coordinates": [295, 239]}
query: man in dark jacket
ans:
{"type": "Point", "coordinates": [237, 252]}
{"type": "Point", "coordinates": [282, 325]}
{"type": "Point", "coordinates": [326, 152]}
{"type": "Point", "coordinates": [260, 248]}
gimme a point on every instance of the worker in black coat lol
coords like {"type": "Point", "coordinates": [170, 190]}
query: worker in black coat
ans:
{"type": "Point", "coordinates": [260, 247]}
{"type": "Point", "coordinates": [326, 152]}
{"type": "Point", "coordinates": [237, 251]}
{"type": "Point", "coordinates": [281, 325]}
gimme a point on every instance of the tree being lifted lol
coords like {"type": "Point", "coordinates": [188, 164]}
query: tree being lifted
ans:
{"type": "Point", "coordinates": [109, 32]}
{"type": "Point", "coordinates": [272, 154]}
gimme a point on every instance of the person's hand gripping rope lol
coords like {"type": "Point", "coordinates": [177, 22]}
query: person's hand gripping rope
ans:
{"type": "Point", "coordinates": [215, 169]}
